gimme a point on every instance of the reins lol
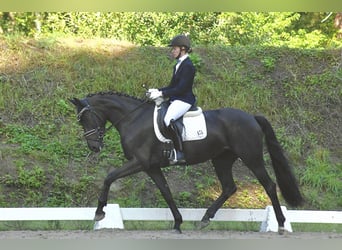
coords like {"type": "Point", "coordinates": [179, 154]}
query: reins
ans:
{"type": "Point", "coordinates": [126, 115]}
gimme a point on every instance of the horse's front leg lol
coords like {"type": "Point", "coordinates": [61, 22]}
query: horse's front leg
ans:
{"type": "Point", "coordinates": [128, 168]}
{"type": "Point", "coordinates": [158, 177]}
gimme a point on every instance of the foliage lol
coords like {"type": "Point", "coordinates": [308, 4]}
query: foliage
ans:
{"type": "Point", "coordinates": [249, 194]}
{"type": "Point", "coordinates": [255, 28]}
{"type": "Point", "coordinates": [206, 28]}
{"type": "Point", "coordinates": [322, 174]}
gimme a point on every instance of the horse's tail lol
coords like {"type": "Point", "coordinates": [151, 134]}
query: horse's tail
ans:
{"type": "Point", "coordinates": [285, 178]}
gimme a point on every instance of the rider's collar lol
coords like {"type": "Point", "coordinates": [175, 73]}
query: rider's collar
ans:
{"type": "Point", "coordinates": [182, 58]}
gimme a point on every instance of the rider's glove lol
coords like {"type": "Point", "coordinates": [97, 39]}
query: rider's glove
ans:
{"type": "Point", "coordinates": [155, 94]}
{"type": "Point", "coordinates": [152, 90]}
{"type": "Point", "coordinates": [149, 91]}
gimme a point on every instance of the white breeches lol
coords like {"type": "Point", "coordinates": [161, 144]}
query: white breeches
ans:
{"type": "Point", "coordinates": [176, 110]}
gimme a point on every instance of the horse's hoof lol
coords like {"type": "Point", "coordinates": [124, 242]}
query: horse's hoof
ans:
{"type": "Point", "coordinates": [177, 231]}
{"type": "Point", "coordinates": [202, 224]}
{"type": "Point", "coordinates": [99, 216]}
{"type": "Point", "coordinates": [282, 231]}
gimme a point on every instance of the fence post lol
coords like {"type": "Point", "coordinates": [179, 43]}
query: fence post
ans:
{"type": "Point", "coordinates": [270, 223]}
{"type": "Point", "coordinates": [113, 218]}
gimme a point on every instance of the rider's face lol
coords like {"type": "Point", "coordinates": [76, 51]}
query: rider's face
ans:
{"type": "Point", "coordinates": [175, 52]}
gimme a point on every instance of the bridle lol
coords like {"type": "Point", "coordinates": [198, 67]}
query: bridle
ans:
{"type": "Point", "coordinates": [98, 130]}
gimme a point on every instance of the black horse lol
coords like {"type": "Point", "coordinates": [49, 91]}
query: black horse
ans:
{"type": "Point", "coordinates": [232, 134]}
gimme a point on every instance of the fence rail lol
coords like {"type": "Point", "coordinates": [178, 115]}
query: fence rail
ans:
{"type": "Point", "coordinates": [115, 216]}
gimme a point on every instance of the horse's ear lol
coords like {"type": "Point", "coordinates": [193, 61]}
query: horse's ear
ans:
{"type": "Point", "coordinates": [76, 102]}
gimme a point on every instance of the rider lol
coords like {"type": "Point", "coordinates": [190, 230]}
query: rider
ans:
{"type": "Point", "coordinates": [179, 91]}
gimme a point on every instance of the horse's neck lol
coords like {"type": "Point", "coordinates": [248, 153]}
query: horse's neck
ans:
{"type": "Point", "coordinates": [119, 108]}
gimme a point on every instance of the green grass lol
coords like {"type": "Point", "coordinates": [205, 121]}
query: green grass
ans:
{"type": "Point", "coordinates": [46, 225]}
{"type": "Point", "coordinates": [163, 225]}
{"type": "Point", "coordinates": [316, 227]}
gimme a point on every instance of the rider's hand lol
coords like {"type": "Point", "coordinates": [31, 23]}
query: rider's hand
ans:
{"type": "Point", "coordinates": [149, 92]}
{"type": "Point", "coordinates": [152, 90]}
{"type": "Point", "coordinates": [155, 94]}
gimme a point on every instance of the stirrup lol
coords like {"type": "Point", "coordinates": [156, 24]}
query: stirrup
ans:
{"type": "Point", "coordinates": [174, 157]}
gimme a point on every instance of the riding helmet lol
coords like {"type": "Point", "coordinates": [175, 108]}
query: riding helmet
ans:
{"type": "Point", "coordinates": [180, 41]}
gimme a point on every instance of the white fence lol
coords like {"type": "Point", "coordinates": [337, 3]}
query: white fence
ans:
{"type": "Point", "coordinates": [115, 216]}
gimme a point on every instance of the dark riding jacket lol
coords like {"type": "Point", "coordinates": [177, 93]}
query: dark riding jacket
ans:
{"type": "Point", "coordinates": [180, 87]}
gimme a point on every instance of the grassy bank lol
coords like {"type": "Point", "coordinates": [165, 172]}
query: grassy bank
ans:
{"type": "Point", "coordinates": [45, 161]}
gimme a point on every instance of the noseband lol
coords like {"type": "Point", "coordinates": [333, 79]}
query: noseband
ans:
{"type": "Point", "coordinates": [98, 130]}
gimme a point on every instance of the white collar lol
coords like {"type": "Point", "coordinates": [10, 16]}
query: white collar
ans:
{"type": "Point", "coordinates": [182, 58]}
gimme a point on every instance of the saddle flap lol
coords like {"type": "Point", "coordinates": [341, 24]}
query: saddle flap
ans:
{"type": "Point", "coordinates": [192, 125]}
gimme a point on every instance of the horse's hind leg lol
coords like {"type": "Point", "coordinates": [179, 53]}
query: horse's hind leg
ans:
{"type": "Point", "coordinates": [258, 168]}
{"type": "Point", "coordinates": [223, 168]}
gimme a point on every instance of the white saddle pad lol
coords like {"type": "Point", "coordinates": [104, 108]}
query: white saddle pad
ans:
{"type": "Point", "coordinates": [195, 127]}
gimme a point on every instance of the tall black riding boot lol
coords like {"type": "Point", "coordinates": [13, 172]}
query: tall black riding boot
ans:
{"type": "Point", "coordinates": [177, 141]}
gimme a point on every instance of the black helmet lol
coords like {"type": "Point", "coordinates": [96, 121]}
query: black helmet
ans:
{"type": "Point", "coordinates": [180, 41]}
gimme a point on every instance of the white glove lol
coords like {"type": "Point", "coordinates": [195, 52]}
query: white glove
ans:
{"type": "Point", "coordinates": [152, 90]}
{"type": "Point", "coordinates": [155, 94]}
{"type": "Point", "coordinates": [149, 91]}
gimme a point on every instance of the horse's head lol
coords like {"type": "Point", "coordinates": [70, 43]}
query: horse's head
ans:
{"type": "Point", "coordinates": [92, 123]}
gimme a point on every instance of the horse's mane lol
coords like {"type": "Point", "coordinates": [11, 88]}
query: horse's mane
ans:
{"type": "Point", "coordinates": [117, 94]}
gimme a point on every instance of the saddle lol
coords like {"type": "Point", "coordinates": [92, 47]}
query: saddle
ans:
{"type": "Point", "coordinates": [191, 126]}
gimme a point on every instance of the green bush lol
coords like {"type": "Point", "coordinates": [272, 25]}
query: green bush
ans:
{"type": "Point", "coordinates": [296, 29]}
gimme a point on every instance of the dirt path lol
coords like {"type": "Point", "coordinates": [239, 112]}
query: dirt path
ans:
{"type": "Point", "coordinates": [139, 234]}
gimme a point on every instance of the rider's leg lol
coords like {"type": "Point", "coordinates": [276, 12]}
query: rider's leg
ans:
{"type": "Point", "coordinates": [175, 111]}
